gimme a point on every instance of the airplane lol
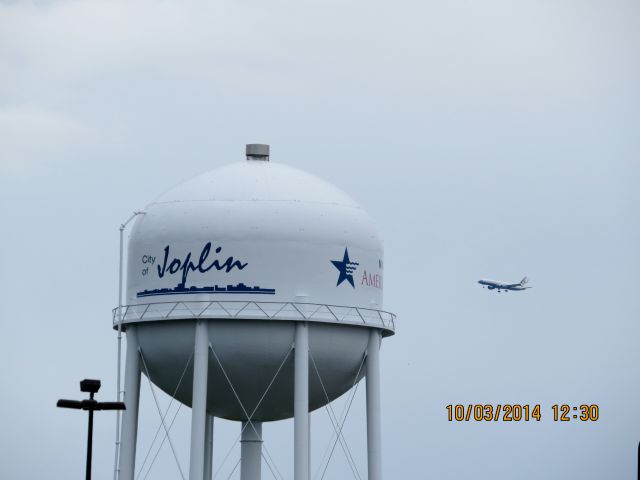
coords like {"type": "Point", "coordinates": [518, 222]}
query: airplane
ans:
{"type": "Point", "coordinates": [493, 285]}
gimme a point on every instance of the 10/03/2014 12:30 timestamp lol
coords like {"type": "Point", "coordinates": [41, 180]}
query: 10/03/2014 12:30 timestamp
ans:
{"type": "Point", "coordinates": [521, 412]}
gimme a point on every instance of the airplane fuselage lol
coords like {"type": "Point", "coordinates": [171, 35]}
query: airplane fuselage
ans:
{"type": "Point", "coordinates": [495, 285]}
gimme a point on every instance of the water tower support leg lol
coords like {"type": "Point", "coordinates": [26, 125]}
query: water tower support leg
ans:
{"type": "Point", "coordinates": [374, 435]}
{"type": "Point", "coordinates": [208, 448]}
{"type": "Point", "coordinates": [199, 402]}
{"type": "Point", "coordinates": [301, 403]}
{"type": "Point", "coordinates": [251, 451]}
{"type": "Point", "coordinates": [129, 431]}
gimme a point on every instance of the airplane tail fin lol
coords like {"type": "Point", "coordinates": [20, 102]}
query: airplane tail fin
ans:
{"type": "Point", "coordinates": [524, 281]}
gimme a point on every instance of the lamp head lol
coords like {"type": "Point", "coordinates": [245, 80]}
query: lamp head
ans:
{"type": "Point", "coordinates": [88, 385]}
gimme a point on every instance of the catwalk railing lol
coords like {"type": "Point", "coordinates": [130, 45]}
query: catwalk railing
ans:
{"type": "Point", "coordinates": [250, 310]}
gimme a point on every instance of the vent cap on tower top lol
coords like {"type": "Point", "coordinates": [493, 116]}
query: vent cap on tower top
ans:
{"type": "Point", "coordinates": [257, 151]}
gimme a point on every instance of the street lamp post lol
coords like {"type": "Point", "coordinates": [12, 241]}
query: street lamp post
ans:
{"type": "Point", "coordinates": [91, 405]}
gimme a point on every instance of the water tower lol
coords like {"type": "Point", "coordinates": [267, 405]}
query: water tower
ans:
{"type": "Point", "coordinates": [254, 293]}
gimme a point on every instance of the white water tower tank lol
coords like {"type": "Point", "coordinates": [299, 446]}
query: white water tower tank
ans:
{"type": "Point", "coordinates": [250, 251]}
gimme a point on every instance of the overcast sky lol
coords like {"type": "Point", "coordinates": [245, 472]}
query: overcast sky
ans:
{"type": "Point", "coordinates": [487, 138]}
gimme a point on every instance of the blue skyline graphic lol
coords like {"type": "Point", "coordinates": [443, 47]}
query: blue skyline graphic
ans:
{"type": "Point", "coordinates": [180, 289]}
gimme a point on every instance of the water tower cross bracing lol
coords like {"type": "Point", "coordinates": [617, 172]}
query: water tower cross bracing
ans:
{"type": "Point", "coordinates": [253, 293]}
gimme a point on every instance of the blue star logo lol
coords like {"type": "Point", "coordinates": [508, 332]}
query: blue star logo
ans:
{"type": "Point", "coordinates": [346, 268]}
